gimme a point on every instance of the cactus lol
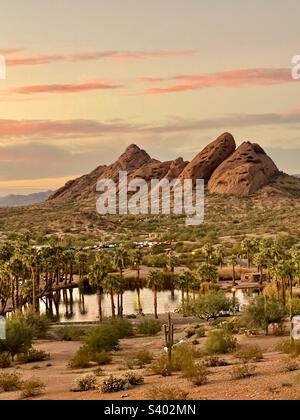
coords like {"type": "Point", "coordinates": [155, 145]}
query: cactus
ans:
{"type": "Point", "coordinates": [169, 337]}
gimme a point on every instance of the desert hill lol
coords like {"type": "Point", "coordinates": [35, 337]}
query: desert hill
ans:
{"type": "Point", "coordinates": [245, 195]}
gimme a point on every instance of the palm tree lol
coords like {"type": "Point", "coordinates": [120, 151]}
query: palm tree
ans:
{"type": "Point", "coordinates": [247, 249]}
{"type": "Point", "coordinates": [207, 274]}
{"type": "Point", "coordinates": [136, 257]}
{"type": "Point", "coordinates": [5, 287]}
{"type": "Point", "coordinates": [32, 262]}
{"type": "Point", "coordinates": [207, 251]}
{"type": "Point", "coordinates": [121, 261]}
{"type": "Point", "coordinates": [232, 261]}
{"type": "Point", "coordinates": [111, 285]}
{"type": "Point", "coordinates": [184, 282]}
{"type": "Point", "coordinates": [154, 283]}
{"type": "Point", "coordinates": [98, 272]}
{"type": "Point", "coordinates": [219, 255]}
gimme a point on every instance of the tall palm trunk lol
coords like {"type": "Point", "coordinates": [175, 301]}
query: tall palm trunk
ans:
{"type": "Point", "coordinates": [155, 303]}
{"type": "Point", "coordinates": [283, 293]}
{"type": "Point", "coordinates": [113, 308]}
{"type": "Point", "coordinates": [99, 299]}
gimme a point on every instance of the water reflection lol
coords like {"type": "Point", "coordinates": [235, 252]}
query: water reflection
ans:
{"type": "Point", "coordinates": [70, 305]}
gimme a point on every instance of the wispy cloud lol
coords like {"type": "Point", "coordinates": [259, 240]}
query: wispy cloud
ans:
{"type": "Point", "coordinates": [31, 129]}
{"type": "Point", "coordinates": [62, 88]}
{"type": "Point", "coordinates": [120, 56]}
{"type": "Point", "coordinates": [227, 79]}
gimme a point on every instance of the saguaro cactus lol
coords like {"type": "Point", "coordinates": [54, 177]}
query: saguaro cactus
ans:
{"type": "Point", "coordinates": [169, 337]}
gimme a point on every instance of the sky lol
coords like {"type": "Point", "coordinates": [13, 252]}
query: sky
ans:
{"type": "Point", "coordinates": [84, 79]}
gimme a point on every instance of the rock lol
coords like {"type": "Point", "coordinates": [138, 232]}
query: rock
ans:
{"type": "Point", "coordinates": [204, 164]}
{"type": "Point", "coordinates": [132, 159]}
{"type": "Point", "coordinates": [247, 170]}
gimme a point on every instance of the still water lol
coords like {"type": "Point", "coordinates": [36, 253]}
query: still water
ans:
{"type": "Point", "coordinates": [74, 307]}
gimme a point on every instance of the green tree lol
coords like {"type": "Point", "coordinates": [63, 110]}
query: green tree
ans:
{"type": "Point", "coordinates": [98, 272]}
{"type": "Point", "coordinates": [261, 312]}
{"type": "Point", "coordinates": [232, 261]}
{"type": "Point", "coordinates": [154, 283]}
{"type": "Point", "coordinates": [19, 337]}
{"type": "Point", "coordinates": [209, 305]}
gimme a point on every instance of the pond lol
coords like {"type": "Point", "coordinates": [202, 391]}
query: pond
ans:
{"type": "Point", "coordinates": [72, 306]}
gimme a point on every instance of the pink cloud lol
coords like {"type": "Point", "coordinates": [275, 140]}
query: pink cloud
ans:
{"type": "Point", "coordinates": [63, 88]}
{"type": "Point", "coordinates": [120, 56]}
{"type": "Point", "coordinates": [9, 51]}
{"type": "Point", "coordinates": [232, 78]}
{"type": "Point", "coordinates": [151, 79]}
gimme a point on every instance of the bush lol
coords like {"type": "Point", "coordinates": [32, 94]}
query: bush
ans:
{"type": "Point", "coordinates": [123, 328]}
{"type": "Point", "coordinates": [200, 331]}
{"type": "Point", "coordinates": [101, 358]}
{"type": "Point", "coordinates": [10, 381]}
{"type": "Point", "coordinates": [161, 366]}
{"type": "Point", "coordinates": [242, 371]}
{"type": "Point", "coordinates": [86, 382]}
{"type": "Point", "coordinates": [19, 337]}
{"type": "Point", "coordinates": [220, 342]}
{"type": "Point", "coordinates": [208, 305]}
{"type": "Point", "coordinates": [182, 357]}
{"type": "Point", "coordinates": [32, 388]}
{"type": "Point", "coordinates": [132, 378]}
{"type": "Point", "coordinates": [119, 383]}
{"type": "Point", "coordinates": [112, 384]}
{"type": "Point", "coordinates": [34, 355]}
{"type": "Point", "coordinates": [291, 348]}
{"type": "Point", "coordinates": [39, 323]}
{"type": "Point", "coordinates": [291, 364]}
{"type": "Point", "coordinates": [165, 393]}
{"type": "Point", "coordinates": [214, 361]}
{"type": "Point", "coordinates": [250, 353]}
{"type": "Point", "coordinates": [149, 327]}
{"type": "Point", "coordinates": [5, 361]}
{"type": "Point", "coordinates": [197, 374]}
{"type": "Point", "coordinates": [69, 333]}
{"type": "Point", "coordinates": [144, 357]}
{"type": "Point", "coordinates": [104, 338]}
{"type": "Point", "coordinates": [81, 359]}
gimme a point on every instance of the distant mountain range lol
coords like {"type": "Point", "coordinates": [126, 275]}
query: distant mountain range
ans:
{"type": "Point", "coordinates": [14, 200]}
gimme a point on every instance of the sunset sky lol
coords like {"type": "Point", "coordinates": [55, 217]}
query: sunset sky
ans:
{"type": "Point", "coordinates": [87, 78]}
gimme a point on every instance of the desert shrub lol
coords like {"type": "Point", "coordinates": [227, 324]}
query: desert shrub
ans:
{"type": "Point", "coordinates": [200, 331]}
{"type": "Point", "coordinates": [161, 366]}
{"type": "Point", "coordinates": [220, 342]}
{"type": "Point", "coordinates": [144, 357]}
{"type": "Point", "coordinates": [39, 323]}
{"type": "Point", "coordinates": [123, 328]}
{"type": "Point", "coordinates": [149, 327]}
{"type": "Point", "coordinates": [19, 337]}
{"type": "Point", "coordinates": [101, 358]}
{"type": "Point", "coordinates": [133, 379]}
{"type": "Point", "coordinates": [214, 361]}
{"type": "Point", "coordinates": [119, 383]}
{"type": "Point", "coordinates": [242, 371]}
{"type": "Point", "coordinates": [69, 333]}
{"type": "Point", "coordinates": [104, 338]}
{"type": "Point", "coordinates": [5, 360]}
{"type": "Point", "coordinates": [291, 364]}
{"type": "Point", "coordinates": [112, 384]}
{"type": "Point", "coordinates": [86, 382]}
{"type": "Point", "coordinates": [81, 359]}
{"type": "Point", "coordinates": [288, 347]}
{"type": "Point", "coordinates": [250, 353]}
{"type": "Point", "coordinates": [182, 357]}
{"type": "Point", "coordinates": [10, 381]}
{"type": "Point", "coordinates": [32, 388]}
{"type": "Point", "coordinates": [166, 393]}
{"type": "Point", "coordinates": [33, 355]}
{"type": "Point", "coordinates": [197, 374]}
